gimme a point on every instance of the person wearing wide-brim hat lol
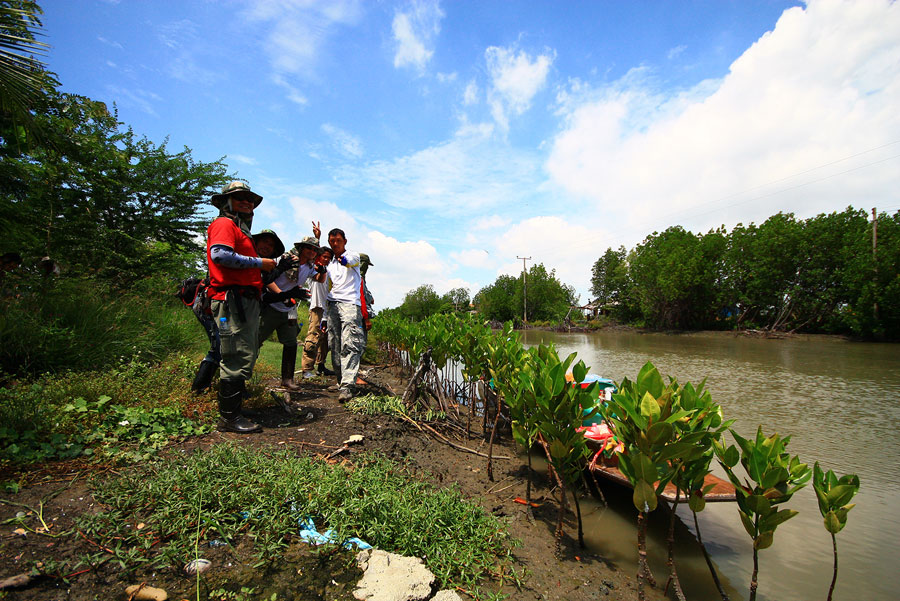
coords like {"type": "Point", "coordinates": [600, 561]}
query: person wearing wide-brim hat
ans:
{"type": "Point", "coordinates": [235, 273]}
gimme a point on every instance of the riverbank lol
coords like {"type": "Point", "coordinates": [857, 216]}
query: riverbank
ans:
{"type": "Point", "coordinates": [746, 333]}
{"type": "Point", "coordinates": [63, 492]}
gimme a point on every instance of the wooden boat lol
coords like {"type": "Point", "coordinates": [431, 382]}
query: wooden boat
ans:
{"type": "Point", "coordinates": [722, 489]}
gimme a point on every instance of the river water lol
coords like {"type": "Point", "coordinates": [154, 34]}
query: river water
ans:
{"type": "Point", "coordinates": [839, 401]}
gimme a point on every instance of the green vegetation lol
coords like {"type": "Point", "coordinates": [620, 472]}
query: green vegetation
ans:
{"type": "Point", "coordinates": [373, 499]}
{"type": "Point", "coordinates": [425, 301]}
{"type": "Point", "coordinates": [823, 274]}
{"type": "Point", "coordinates": [833, 495]}
{"type": "Point", "coordinates": [548, 298]}
{"type": "Point", "coordinates": [774, 477]}
{"type": "Point", "coordinates": [669, 433]}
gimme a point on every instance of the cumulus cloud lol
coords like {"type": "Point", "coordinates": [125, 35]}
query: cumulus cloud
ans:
{"type": "Point", "coordinates": [515, 79]}
{"type": "Point", "coordinates": [777, 133]}
{"type": "Point", "coordinates": [569, 248]}
{"type": "Point", "coordinates": [414, 30]}
{"type": "Point", "coordinates": [347, 144]}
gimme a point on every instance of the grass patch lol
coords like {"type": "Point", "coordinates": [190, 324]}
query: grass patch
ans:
{"type": "Point", "coordinates": [372, 404]}
{"type": "Point", "coordinates": [245, 494]}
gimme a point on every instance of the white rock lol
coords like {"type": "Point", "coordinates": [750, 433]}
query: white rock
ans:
{"type": "Point", "coordinates": [446, 595]}
{"type": "Point", "coordinates": [392, 577]}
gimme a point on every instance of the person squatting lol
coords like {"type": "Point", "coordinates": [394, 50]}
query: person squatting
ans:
{"type": "Point", "coordinates": [253, 291]}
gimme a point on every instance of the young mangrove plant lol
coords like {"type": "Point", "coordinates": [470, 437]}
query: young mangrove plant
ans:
{"type": "Point", "coordinates": [644, 414]}
{"type": "Point", "coordinates": [834, 494]}
{"type": "Point", "coordinates": [774, 477]}
{"type": "Point", "coordinates": [692, 441]}
{"type": "Point", "coordinates": [557, 408]}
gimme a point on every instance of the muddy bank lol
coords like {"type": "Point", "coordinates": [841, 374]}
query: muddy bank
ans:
{"type": "Point", "coordinates": [320, 426]}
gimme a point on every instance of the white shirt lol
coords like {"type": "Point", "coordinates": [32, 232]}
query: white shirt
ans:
{"type": "Point", "coordinates": [286, 283]}
{"type": "Point", "coordinates": [344, 280]}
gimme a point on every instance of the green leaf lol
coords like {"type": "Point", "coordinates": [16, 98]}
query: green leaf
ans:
{"type": "Point", "coordinates": [759, 504]}
{"type": "Point", "coordinates": [776, 519]}
{"type": "Point", "coordinates": [579, 371]}
{"type": "Point", "coordinates": [644, 497]}
{"type": "Point", "coordinates": [558, 450]}
{"type": "Point", "coordinates": [649, 380]}
{"type": "Point", "coordinates": [696, 503]}
{"type": "Point", "coordinates": [660, 433]}
{"type": "Point", "coordinates": [764, 540]}
{"type": "Point", "coordinates": [645, 469]}
{"type": "Point", "coordinates": [832, 523]}
{"type": "Point", "coordinates": [748, 523]}
{"type": "Point", "coordinates": [649, 407]}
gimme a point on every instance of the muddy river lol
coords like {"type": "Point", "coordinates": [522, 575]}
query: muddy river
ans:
{"type": "Point", "coordinates": [839, 400]}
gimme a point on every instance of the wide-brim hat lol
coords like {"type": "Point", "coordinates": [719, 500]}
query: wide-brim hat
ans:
{"type": "Point", "coordinates": [364, 258]}
{"type": "Point", "coordinates": [279, 245]}
{"type": "Point", "coordinates": [235, 188]}
{"type": "Point", "coordinates": [308, 242]}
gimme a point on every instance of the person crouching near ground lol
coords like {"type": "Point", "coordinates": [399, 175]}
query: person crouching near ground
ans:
{"type": "Point", "coordinates": [235, 288]}
{"type": "Point", "coordinates": [345, 327]}
{"type": "Point", "coordinates": [315, 346]}
{"type": "Point", "coordinates": [282, 296]}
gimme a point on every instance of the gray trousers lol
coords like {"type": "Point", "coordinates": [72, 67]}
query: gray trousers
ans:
{"type": "Point", "coordinates": [238, 339]}
{"type": "Point", "coordinates": [345, 336]}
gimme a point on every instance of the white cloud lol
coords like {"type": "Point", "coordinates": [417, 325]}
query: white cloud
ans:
{"type": "Point", "coordinates": [142, 99]}
{"type": "Point", "coordinates": [298, 29]}
{"type": "Point", "coordinates": [346, 143]}
{"type": "Point", "coordinates": [112, 43]}
{"type": "Point", "coordinates": [470, 96]}
{"type": "Point", "coordinates": [675, 52]}
{"type": "Point", "coordinates": [403, 266]}
{"type": "Point", "coordinates": [822, 86]}
{"type": "Point", "coordinates": [240, 158]}
{"type": "Point", "coordinates": [293, 94]}
{"type": "Point", "coordinates": [473, 257]}
{"type": "Point", "coordinates": [569, 248]}
{"type": "Point", "coordinates": [515, 79]}
{"type": "Point", "coordinates": [447, 77]}
{"type": "Point", "coordinates": [414, 31]}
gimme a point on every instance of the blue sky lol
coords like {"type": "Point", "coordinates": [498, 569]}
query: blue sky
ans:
{"type": "Point", "coordinates": [448, 138]}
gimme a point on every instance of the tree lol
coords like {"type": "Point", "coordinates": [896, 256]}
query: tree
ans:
{"type": "Point", "coordinates": [607, 277]}
{"type": "Point", "coordinates": [420, 303]}
{"type": "Point", "coordinates": [548, 298]}
{"type": "Point", "coordinates": [674, 276]}
{"type": "Point", "coordinates": [23, 78]}
{"type": "Point", "coordinates": [101, 199]}
{"type": "Point", "coordinates": [456, 299]}
{"type": "Point", "coordinates": [497, 301]}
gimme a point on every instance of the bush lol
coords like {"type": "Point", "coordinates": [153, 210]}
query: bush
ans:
{"type": "Point", "coordinates": [58, 324]}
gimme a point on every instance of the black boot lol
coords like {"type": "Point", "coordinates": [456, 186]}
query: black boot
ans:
{"type": "Point", "coordinates": [288, 363]}
{"type": "Point", "coordinates": [204, 376]}
{"type": "Point", "coordinates": [324, 370]}
{"type": "Point", "coordinates": [230, 418]}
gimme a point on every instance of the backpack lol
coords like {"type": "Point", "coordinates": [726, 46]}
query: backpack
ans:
{"type": "Point", "coordinates": [192, 292]}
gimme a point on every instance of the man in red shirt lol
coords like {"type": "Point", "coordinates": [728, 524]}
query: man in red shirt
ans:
{"type": "Point", "coordinates": [235, 273]}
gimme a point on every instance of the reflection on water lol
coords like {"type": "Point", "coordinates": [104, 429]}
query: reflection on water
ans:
{"type": "Point", "coordinates": [838, 400]}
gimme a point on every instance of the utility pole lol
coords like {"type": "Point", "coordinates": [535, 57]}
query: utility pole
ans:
{"type": "Point", "coordinates": [524, 289]}
{"type": "Point", "coordinates": [875, 258]}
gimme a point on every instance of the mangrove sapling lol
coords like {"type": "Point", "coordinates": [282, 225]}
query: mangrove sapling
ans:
{"type": "Point", "coordinates": [644, 414]}
{"type": "Point", "coordinates": [774, 477]}
{"type": "Point", "coordinates": [691, 465]}
{"type": "Point", "coordinates": [833, 495]}
{"type": "Point", "coordinates": [558, 411]}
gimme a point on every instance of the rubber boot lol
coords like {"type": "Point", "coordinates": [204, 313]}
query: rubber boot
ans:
{"type": "Point", "coordinates": [230, 418]}
{"type": "Point", "coordinates": [204, 376]}
{"type": "Point", "coordinates": [324, 370]}
{"type": "Point", "coordinates": [288, 363]}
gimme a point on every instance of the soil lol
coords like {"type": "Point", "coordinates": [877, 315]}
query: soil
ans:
{"type": "Point", "coordinates": [319, 427]}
